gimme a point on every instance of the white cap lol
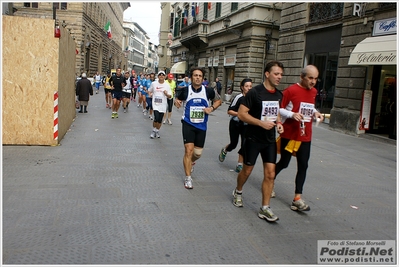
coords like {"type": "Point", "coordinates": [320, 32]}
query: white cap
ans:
{"type": "Point", "coordinates": [161, 72]}
{"type": "Point", "coordinates": [84, 75]}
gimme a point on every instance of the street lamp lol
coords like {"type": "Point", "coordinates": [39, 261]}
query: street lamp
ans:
{"type": "Point", "coordinates": [226, 24]}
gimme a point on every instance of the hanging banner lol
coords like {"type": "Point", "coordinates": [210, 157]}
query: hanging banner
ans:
{"type": "Point", "coordinates": [364, 123]}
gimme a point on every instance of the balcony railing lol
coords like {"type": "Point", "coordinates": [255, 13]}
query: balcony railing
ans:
{"type": "Point", "coordinates": [320, 12]}
{"type": "Point", "coordinates": [196, 32]}
{"type": "Point", "coordinates": [197, 28]}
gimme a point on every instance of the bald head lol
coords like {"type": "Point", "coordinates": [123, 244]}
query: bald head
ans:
{"type": "Point", "coordinates": [309, 76]}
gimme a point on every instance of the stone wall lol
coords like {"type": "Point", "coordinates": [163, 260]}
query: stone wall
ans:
{"type": "Point", "coordinates": [291, 43]}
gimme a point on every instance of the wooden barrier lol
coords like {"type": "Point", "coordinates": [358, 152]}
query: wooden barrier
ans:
{"type": "Point", "coordinates": [35, 66]}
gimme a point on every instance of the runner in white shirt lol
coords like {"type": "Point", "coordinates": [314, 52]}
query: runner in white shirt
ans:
{"type": "Point", "coordinates": [126, 93]}
{"type": "Point", "coordinates": [97, 79]}
{"type": "Point", "coordinates": [160, 92]}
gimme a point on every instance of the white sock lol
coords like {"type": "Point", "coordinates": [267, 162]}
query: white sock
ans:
{"type": "Point", "coordinates": [188, 177]}
{"type": "Point", "coordinates": [264, 207]}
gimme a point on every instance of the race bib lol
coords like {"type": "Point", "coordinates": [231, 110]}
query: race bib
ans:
{"type": "Point", "coordinates": [269, 110]}
{"type": "Point", "coordinates": [197, 114]}
{"type": "Point", "coordinates": [158, 101]}
{"type": "Point", "coordinates": [306, 109]}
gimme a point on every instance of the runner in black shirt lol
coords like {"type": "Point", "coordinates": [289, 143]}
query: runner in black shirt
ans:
{"type": "Point", "coordinates": [117, 82]}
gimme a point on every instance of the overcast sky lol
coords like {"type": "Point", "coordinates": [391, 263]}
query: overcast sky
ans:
{"type": "Point", "coordinates": [147, 15]}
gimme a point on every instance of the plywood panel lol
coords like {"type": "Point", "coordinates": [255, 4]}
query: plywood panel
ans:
{"type": "Point", "coordinates": [66, 83]}
{"type": "Point", "coordinates": [30, 77]}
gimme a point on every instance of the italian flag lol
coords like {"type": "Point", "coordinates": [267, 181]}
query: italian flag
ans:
{"type": "Point", "coordinates": [107, 28]}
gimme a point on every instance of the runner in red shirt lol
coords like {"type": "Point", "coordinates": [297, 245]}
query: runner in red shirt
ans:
{"type": "Point", "coordinates": [298, 110]}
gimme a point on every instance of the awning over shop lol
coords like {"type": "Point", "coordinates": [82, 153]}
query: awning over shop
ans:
{"type": "Point", "coordinates": [179, 68]}
{"type": "Point", "coordinates": [379, 50]}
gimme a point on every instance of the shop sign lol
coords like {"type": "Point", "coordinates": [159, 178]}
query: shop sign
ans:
{"type": "Point", "coordinates": [229, 60]}
{"type": "Point", "coordinates": [381, 58]}
{"type": "Point", "coordinates": [201, 62]}
{"type": "Point", "coordinates": [384, 27]}
{"type": "Point", "coordinates": [359, 9]}
{"type": "Point", "coordinates": [215, 61]}
{"type": "Point", "coordinates": [210, 60]}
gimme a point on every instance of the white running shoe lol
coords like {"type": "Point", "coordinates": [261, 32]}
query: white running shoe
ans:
{"type": "Point", "coordinates": [188, 183]}
{"type": "Point", "coordinates": [299, 205]}
{"type": "Point", "coordinates": [152, 135]}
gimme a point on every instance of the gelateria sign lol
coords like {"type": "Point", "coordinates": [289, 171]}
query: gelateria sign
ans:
{"type": "Point", "coordinates": [379, 50]}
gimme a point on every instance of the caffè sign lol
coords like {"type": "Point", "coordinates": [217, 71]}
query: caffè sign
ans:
{"type": "Point", "coordinates": [384, 27]}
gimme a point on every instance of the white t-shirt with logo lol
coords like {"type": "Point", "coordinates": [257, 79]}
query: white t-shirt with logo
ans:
{"type": "Point", "coordinates": [159, 99]}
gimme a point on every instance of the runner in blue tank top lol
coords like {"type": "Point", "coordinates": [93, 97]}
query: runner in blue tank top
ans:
{"type": "Point", "coordinates": [195, 118]}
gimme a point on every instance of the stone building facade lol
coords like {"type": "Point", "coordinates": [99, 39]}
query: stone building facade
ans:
{"type": "Point", "coordinates": [232, 41]}
{"type": "Point", "coordinates": [327, 35]}
{"type": "Point", "coordinates": [141, 50]}
{"type": "Point", "coordinates": [165, 37]}
{"type": "Point", "coordinates": [85, 22]}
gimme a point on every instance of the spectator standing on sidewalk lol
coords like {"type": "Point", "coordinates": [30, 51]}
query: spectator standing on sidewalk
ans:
{"type": "Point", "coordinates": [84, 90]}
{"type": "Point", "coordinates": [236, 127]}
{"type": "Point", "coordinates": [260, 110]}
{"type": "Point", "coordinates": [160, 92]}
{"type": "Point", "coordinates": [298, 109]}
{"type": "Point", "coordinates": [195, 119]}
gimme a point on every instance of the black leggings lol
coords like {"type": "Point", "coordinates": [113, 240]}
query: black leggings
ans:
{"type": "Point", "coordinates": [302, 158]}
{"type": "Point", "coordinates": [236, 129]}
{"type": "Point", "coordinates": [170, 105]}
